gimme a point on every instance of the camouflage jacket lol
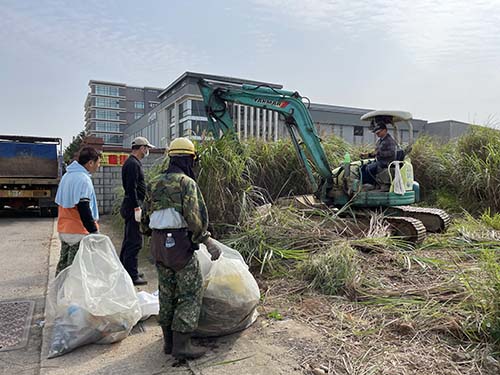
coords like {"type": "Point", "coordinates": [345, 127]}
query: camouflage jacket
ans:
{"type": "Point", "coordinates": [180, 192]}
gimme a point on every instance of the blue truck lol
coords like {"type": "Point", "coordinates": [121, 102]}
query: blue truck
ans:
{"type": "Point", "coordinates": [30, 171]}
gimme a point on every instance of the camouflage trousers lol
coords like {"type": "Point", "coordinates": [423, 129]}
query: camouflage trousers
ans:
{"type": "Point", "coordinates": [68, 253]}
{"type": "Point", "coordinates": [180, 295]}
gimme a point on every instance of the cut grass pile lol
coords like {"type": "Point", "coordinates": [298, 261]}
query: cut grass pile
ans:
{"type": "Point", "coordinates": [378, 292]}
{"type": "Point", "coordinates": [334, 271]}
{"type": "Point", "coordinates": [274, 237]}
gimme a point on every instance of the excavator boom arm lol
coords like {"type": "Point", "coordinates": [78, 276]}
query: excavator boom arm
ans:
{"type": "Point", "coordinates": [289, 104]}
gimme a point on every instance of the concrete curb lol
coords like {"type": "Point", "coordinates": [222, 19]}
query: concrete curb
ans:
{"type": "Point", "coordinates": [54, 253]}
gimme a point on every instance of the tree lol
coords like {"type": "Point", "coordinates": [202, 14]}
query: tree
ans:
{"type": "Point", "coordinates": [73, 147]}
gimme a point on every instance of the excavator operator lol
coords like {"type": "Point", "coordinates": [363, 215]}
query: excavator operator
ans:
{"type": "Point", "coordinates": [385, 150]}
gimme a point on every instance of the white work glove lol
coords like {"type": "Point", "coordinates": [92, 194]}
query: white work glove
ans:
{"type": "Point", "coordinates": [138, 214]}
{"type": "Point", "coordinates": [213, 248]}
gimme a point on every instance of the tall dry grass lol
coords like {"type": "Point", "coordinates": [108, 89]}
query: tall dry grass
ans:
{"type": "Point", "coordinates": [234, 176]}
{"type": "Point", "coordinates": [461, 174]}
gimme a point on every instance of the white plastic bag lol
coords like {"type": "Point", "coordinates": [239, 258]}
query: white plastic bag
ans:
{"type": "Point", "coordinates": [231, 293]}
{"type": "Point", "coordinates": [150, 304]}
{"type": "Point", "coordinates": [93, 300]}
{"type": "Point", "coordinates": [399, 186]}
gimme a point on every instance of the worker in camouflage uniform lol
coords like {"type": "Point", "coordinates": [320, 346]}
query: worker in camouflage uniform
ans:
{"type": "Point", "coordinates": [177, 215]}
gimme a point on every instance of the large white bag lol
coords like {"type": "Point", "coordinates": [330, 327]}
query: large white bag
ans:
{"type": "Point", "coordinates": [231, 293]}
{"type": "Point", "coordinates": [93, 300]}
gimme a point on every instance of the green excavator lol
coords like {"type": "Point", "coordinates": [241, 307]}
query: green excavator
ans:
{"type": "Point", "coordinates": [395, 190]}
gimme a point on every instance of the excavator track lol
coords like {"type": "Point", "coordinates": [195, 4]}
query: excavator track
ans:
{"type": "Point", "coordinates": [409, 228]}
{"type": "Point", "coordinates": [408, 222]}
{"type": "Point", "coordinates": [434, 219]}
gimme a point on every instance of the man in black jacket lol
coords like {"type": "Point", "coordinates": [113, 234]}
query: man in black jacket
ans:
{"type": "Point", "coordinates": [131, 211]}
{"type": "Point", "coordinates": [385, 150]}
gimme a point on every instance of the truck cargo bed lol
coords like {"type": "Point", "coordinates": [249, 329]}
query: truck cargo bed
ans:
{"type": "Point", "coordinates": [19, 159]}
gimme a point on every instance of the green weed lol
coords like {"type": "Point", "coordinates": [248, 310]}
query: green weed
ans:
{"type": "Point", "coordinates": [275, 315]}
{"type": "Point", "coordinates": [334, 271]}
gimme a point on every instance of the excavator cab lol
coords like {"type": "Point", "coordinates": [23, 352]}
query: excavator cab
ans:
{"type": "Point", "coordinates": [394, 185]}
{"type": "Point", "coordinates": [388, 178]}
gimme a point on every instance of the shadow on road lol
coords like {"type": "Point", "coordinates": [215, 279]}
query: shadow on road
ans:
{"type": "Point", "coordinates": [29, 213]}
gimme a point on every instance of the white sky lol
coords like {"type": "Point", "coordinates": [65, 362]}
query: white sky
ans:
{"type": "Point", "coordinates": [438, 60]}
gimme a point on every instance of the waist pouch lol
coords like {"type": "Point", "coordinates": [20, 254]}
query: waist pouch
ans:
{"type": "Point", "coordinates": [175, 257]}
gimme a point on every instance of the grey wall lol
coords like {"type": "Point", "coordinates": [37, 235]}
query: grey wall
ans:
{"type": "Point", "coordinates": [158, 126]}
{"type": "Point", "coordinates": [138, 94]}
{"type": "Point", "coordinates": [108, 182]}
{"type": "Point", "coordinates": [446, 130]}
{"type": "Point", "coordinates": [345, 122]}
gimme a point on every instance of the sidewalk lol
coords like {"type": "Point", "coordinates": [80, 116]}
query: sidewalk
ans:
{"type": "Point", "coordinates": [24, 245]}
{"type": "Point", "coordinates": [257, 350]}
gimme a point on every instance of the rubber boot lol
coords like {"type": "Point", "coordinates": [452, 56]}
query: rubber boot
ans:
{"type": "Point", "coordinates": [183, 349]}
{"type": "Point", "coordinates": [167, 339]}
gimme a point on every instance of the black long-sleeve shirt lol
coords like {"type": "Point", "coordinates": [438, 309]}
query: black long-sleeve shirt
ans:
{"type": "Point", "coordinates": [133, 182]}
{"type": "Point", "coordinates": [83, 208]}
{"type": "Point", "coordinates": [386, 150]}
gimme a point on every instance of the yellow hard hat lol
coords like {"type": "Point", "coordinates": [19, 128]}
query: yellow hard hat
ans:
{"type": "Point", "coordinates": [181, 146]}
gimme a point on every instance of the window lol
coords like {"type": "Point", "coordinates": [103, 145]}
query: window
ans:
{"type": "Point", "coordinates": [171, 115]}
{"type": "Point", "coordinates": [153, 91]}
{"type": "Point", "coordinates": [198, 108]}
{"type": "Point", "coordinates": [105, 126]}
{"type": "Point", "coordinates": [139, 105]}
{"type": "Point", "coordinates": [107, 102]}
{"type": "Point", "coordinates": [106, 114]}
{"type": "Point", "coordinates": [137, 89]}
{"type": "Point", "coordinates": [153, 104]}
{"type": "Point", "coordinates": [184, 109]}
{"type": "Point", "coordinates": [358, 131]}
{"type": "Point", "coordinates": [138, 115]}
{"type": "Point", "coordinates": [107, 90]}
{"type": "Point", "coordinates": [111, 138]}
{"type": "Point", "coordinates": [198, 127]}
{"type": "Point", "coordinates": [192, 108]}
{"type": "Point", "coordinates": [185, 128]}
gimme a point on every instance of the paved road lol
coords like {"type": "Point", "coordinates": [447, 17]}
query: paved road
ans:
{"type": "Point", "coordinates": [24, 252]}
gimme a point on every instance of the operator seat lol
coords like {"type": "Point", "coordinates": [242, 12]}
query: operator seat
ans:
{"type": "Point", "coordinates": [383, 178]}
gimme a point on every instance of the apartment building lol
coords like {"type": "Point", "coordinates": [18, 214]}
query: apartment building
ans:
{"type": "Point", "coordinates": [110, 107]}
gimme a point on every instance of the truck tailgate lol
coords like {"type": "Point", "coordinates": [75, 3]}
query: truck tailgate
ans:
{"type": "Point", "coordinates": [19, 159]}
